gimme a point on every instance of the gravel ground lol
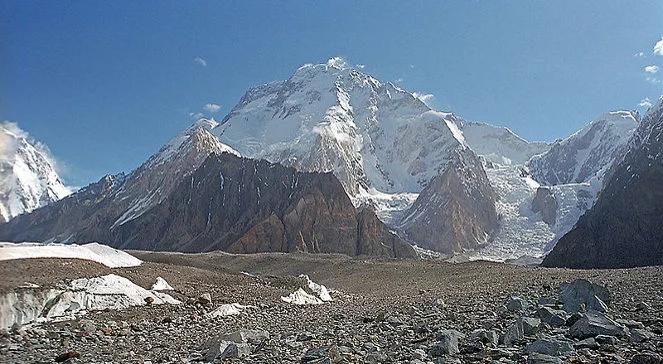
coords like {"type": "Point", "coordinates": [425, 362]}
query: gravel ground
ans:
{"type": "Point", "coordinates": [384, 311]}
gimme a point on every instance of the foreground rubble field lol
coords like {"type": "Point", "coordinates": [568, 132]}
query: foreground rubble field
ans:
{"type": "Point", "coordinates": [382, 312]}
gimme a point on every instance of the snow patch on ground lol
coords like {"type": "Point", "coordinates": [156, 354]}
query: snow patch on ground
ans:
{"type": "Point", "coordinates": [318, 294]}
{"type": "Point", "coordinates": [25, 306]}
{"type": "Point", "coordinates": [161, 285]}
{"type": "Point", "coordinates": [95, 252]}
{"type": "Point", "coordinates": [229, 309]}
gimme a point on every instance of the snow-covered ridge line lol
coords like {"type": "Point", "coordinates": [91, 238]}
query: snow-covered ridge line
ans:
{"type": "Point", "coordinates": [95, 252]}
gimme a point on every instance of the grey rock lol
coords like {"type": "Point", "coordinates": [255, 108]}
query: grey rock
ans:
{"type": "Point", "coordinates": [530, 325]}
{"type": "Point", "coordinates": [544, 202]}
{"type": "Point", "coordinates": [538, 358]}
{"type": "Point", "coordinates": [244, 336]}
{"type": "Point", "coordinates": [205, 299]}
{"type": "Point", "coordinates": [606, 339]}
{"type": "Point", "coordinates": [637, 335]}
{"type": "Point", "coordinates": [595, 323]}
{"type": "Point", "coordinates": [326, 354]}
{"type": "Point", "coordinates": [583, 293]}
{"type": "Point", "coordinates": [551, 316]}
{"type": "Point", "coordinates": [549, 346]}
{"type": "Point", "coordinates": [646, 358]}
{"type": "Point", "coordinates": [589, 343]}
{"type": "Point", "coordinates": [447, 343]}
{"type": "Point", "coordinates": [512, 334]}
{"type": "Point", "coordinates": [517, 304]}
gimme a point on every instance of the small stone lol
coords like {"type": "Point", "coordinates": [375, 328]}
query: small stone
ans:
{"type": "Point", "coordinates": [149, 300]}
{"type": "Point", "coordinates": [205, 299]}
{"type": "Point", "coordinates": [67, 356]}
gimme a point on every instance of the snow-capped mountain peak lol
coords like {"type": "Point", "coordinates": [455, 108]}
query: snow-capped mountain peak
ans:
{"type": "Point", "coordinates": [588, 153]}
{"type": "Point", "coordinates": [28, 178]}
{"type": "Point", "coordinates": [333, 117]}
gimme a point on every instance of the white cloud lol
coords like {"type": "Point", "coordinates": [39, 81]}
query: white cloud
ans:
{"type": "Point", "coordinates": [196, 115]}
{"type": "Point", "coordinates": [337, 62]}
{"type": "Point", "coordinates": [639, 55]}
{"type": "Point", "coordinates": [212, 107]}
{"type": "Point", "coordinates": [645, 103]}
{"type": "Point", "coordinates": [10, 133]}
{"type": "Point", "coordinates": [653, 80]}
{"type": "Point", "coordinates": [658, 47]}
{"type": "Point", "coordinates": [200, 61]}
{"type": "Point", "coordinates": [361, 66]}
{"type": "Point", "coordinates": [651, 69]}
{"type": "Point", "coordinates": [425, 98]}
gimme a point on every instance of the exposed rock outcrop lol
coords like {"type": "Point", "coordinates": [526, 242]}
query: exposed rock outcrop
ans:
{"type": "Point", "coordinates": [544, 202]}
{"type": "Point", "coordinates": [456, 211]}
{"type": "Point", "coordinates": [229, 203]}
{"type": "Point", "coordinates": [625, 226]}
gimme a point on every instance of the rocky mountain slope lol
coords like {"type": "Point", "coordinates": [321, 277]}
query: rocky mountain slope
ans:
{"type": "Point", "coordinates": [196, 195]}
{"type": "Point", "coordinates": [28, 179]}
{"type": "Point", "coordinates": [586, 154]}
{"type": "Point", "coordinates": [625, 226]}
{"type": "Point", "coordinates": [456, 211]}
{"type": "Point", "coordinates": [383, 143]}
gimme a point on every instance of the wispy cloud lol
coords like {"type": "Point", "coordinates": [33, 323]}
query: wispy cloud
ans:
{"type": "Point", "coordinates": [200, 61]}
{"type": "Point", "coordinates": [658, 47]}
{"type": "Point", "coordinates": [196, 115]}
{"type": "Point", "coordinates": [645, 103]}
{"type": "Point", "coordinates": [639, 55]}
{"type": "Point", "coordinates": [651, 69]}
{"type": "Point", "coordinates": [212, 108]}
{"type": "Point", "coordinates": [425, 98]}
{"type": "Point", "coordinates": [653, 80]}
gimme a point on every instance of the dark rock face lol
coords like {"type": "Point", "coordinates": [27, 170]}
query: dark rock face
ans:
{"type": "Point", "coordinates": [544, 202]}
{"type": "Point", "coordinates": [229, 203]}
{"type": "Point", "coordinates": [625, 226]}
{"type": "Point", "coordinates": [456, 211]}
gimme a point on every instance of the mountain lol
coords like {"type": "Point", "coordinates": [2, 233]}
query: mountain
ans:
{"type": "Point", "coordinates": [500, 144]}
{"type": "Point", "coordinates": [197, 195]}
{"type": "Point", "coordinates": [384, 144]}
{"type": "Point", "coordinates": [624, 228]}
{"type": "Point", "coordinates": [375, 137]}
{"type": "Point", "coordinates": [587, 153]}
{"type": "Point", "coordinates": [28, 178]}
{"type": "Point", "coordinates": [456, 210]}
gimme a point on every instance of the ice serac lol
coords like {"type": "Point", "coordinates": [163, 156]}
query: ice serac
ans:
{"type": "Point", "coordinates": [456, 211]}
{"type": "Point", "coordinates": [624, 228]}
{"type": "Point", "coordinates": [28, 179]}
{"type": "Point", "coordinates": [98, 210]}
{"type": "Point", "coordinates": [377, 139]}
{"type": "Point", "coordinates": [587, 153]}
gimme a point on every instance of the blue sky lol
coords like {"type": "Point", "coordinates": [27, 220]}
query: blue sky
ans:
{"type": "Point", "coordinates": [105, 84]}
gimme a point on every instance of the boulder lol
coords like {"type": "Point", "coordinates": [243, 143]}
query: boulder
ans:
{"type": "Point", "coordinates": [583, 293]}
{"type": "Point", "coordinates": [549, 346]}
{"type": "Point", "coordinates": [513, 334]}
{"type": "Point", "coordinates": [530, 325]}
{"type": "Point", "coordinates": [447, 343]}
{"type": "Point", "coordinates": [551, 316]}
{"type": "Point", "coordinates": [517, 304]}
{"type": "Point", "coordinates": [646, 358]}
{"type": "Point", "coordinates": [538, 358]}
{"type": "Point", "coordinates": [595, 323]}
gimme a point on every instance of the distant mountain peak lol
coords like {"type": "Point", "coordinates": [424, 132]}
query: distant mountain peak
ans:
{"type": "Point", "coordinates": [28, 178]}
